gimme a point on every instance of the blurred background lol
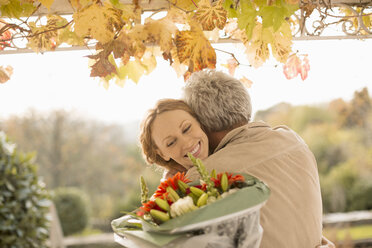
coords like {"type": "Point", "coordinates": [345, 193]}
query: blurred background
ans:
{"type": "Point", "coordinates": [84, 138]}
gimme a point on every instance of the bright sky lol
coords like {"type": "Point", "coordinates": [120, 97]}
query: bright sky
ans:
{"type": "Point", "coordinates": [58, 80]}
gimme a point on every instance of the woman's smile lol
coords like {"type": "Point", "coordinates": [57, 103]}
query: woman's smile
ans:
{"type": "Point", "coordinates": [195, 152]}
{"type": "Point", "coordinates": [177, 133]}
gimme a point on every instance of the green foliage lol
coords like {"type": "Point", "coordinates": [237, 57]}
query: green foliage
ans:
{"type": "Point", "coordinates": [72, 208]}
{"type": "Point", "coordinates": [74, 152]}
{"type": "Point", "coordinates": [23, 199]}
{"type": "Point", "coordinates": [340, 136]}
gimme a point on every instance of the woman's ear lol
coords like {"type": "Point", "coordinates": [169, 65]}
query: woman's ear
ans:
{"type": "Point", "coordinates": [166, 158]}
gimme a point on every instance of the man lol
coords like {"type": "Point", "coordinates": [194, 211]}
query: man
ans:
{"type": "Point", "coordinates": [292, 217]}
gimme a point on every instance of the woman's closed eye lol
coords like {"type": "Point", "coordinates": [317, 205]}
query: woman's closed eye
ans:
{"type": "Point", "coordinates": [186, 129]}
{"type": "Point", "coordinates": [171, 143]}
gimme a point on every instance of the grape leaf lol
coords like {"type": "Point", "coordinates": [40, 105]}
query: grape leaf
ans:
{"type": "Point", "coordinates": [130, 12]}
{"type": "Point", "coordinates": [148, 62]}
{"type": "Point", "coordinates": [247, 15]}
{"type": "Point", "coordinates": [4, 36]}
{"type": "Point", "coordinates": [231, 66]}
{"type": "Point", "coordinates": [230, 7]}
{"type": "Point", "coordinates": [195, 50]}
{"type": "Point", "coordinates": [257, 49]}
{"type": "Point", "coordinates": [47, 3]}
{"type": "Point", "coordinates": [79, 4]}
{"type": "Point", "coordinates": [5, 73]}
{"type": "Point", "coordinates": [100, 22]}
{"type": "Point", "coordinates": [17, 9]}
{"type": "Point", "coordinates": [246, 82]}
{"type": "Point", "coordinates": [160, 32]}
{"type": "Point", "coordinates": [281, 43]}
{"type": "Point", "coordinates": [132, 70]}
{"type": "Point", "coordinates": [46, 37]}
{"type": "Point", "coordinates": [103, 66]}
{"type": "Point", "coordinates": [295, 66]}
{"type": "Point", "coordinates": [276, 14]}
{"type": "Point", "coordinates": [211, 16]}
{"type": "Point", "coordinates": [188, 5]}
{"type": "Point", "coordinates": [176, 15]}
{"type": "Point", "coordinates": [130, 43]}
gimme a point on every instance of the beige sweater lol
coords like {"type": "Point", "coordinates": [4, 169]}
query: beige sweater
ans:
{"type": "Point", "coordinates": [292, 217]}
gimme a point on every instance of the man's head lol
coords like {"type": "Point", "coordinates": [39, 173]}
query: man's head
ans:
{"type": "Point", "coordinates": [220, 101]}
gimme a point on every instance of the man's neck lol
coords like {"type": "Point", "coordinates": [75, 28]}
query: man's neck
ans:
{"type": "Point", "coordinates": [216, 137]}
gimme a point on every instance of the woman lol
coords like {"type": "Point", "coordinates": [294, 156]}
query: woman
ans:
{"type": "Point", "coordinates": [168, 132]}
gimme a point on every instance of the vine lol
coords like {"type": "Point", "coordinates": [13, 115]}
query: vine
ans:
{"type": "Point", "coordinates": [127, 44]}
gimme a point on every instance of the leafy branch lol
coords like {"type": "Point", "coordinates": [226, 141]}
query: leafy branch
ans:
{"type": "Point", "coordinates": [125, 41]}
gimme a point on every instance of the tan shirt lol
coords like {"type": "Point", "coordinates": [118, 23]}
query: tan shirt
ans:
{"type": "Point", "coordinates": [292, 217]}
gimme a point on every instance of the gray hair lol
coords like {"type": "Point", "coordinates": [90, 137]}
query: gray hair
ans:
{"type": "Point", "coordinates": [219, 100]}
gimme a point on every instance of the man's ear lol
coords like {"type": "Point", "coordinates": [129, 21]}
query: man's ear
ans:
{"type": "Point", "coordinates": [166, 158]}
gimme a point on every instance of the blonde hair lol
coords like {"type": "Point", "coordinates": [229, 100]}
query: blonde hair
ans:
{"type": "Point", "coordinates": [147, 143]}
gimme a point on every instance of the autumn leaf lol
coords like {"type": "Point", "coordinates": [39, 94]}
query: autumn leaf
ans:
{"type": "Point", "coordinates": [100, 22]}
{"type": "Point", "coordinates": [281, 43]}
{"type": "Point", "coordinates": [130, 12]}
{"type": "Point", "coordinates": [247, 15]}
{"type": "Point", "coordinates": [130, 43]}
{"type": "Point", "coordinates": [186, 5]}
{"type": "Point", "coordinates": [160, 32]}
{"type": "Point", "coordinates": [246, 82]}
{"type": "Point", "coordinates": [178, 67]}
{"type": "Point", "coordinates": [132, 70]}
{"type": "Point", "coordinates": [195, 50]}
{"type": "Point", "coordinates": [5, 73]}
{"type": "Point", "coordinates": [149, 62]}
{"type": "Point", "coordinates": [4, 37]}
{"type": "Point", "coordinates": [257, 49]}
{"type": "Point", "coordinates": [45, 37]}
{"type": "Point", "coordinates": [79, 4]}
{"type": "Point", "coordinates": [295, 66]}
{"type": "Point", "coordinates": [230, 7]}
{"type": "Point", "coordinates": [47, 3]}
{"type": "Point", "coordinates": [102, 66]}
{"type": "Point", "coordinates": [16, 9]}
{"type": "Point", "coordinates": [276, 14]}
{"type": "Point", "coordinates": [176, 15]}
{"type": "Point", "coordinates": [210, 16]}
{"type": "Point", "coordinates": [231, 66]}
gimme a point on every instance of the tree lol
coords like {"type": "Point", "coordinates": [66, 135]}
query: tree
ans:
{"type": "Point", "coordinates": [82, 153]}
{"type": "Point", "coordinates": [357, 112]}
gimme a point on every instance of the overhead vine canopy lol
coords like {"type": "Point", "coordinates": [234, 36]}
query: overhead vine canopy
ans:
{"type": "Point", "coordinates": [182, 32]}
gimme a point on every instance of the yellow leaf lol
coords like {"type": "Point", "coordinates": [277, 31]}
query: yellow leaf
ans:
{"type": "Point", "coordinates": [45, 37]}
{"type": "Point", "coordinates": [187, 5]}
{"type": "Point", "coordinates": [195, 50]}
{"type": "Point", "coordinates": [79, 4]}
{"type": "Point", "coordinates": [4, 2]}
{"type": "Point", "coordinates": [179, 68]}
{"type": "Point", "coordinates": [130, 12]}
{"type": "Point", "coordinates": [132, 70]}
{"type": "Point", "coordinates": [213, 35]}
{"type": "Point", "coordinates": [100, 22]}
{"type": "Point", "coordinates": [281, 44]}
{"type": "Point", "coordinates": [5, 73]}
{"type": "Point", "coordinates": [176, 15]}
{"type": "Point", "coordinates": [257, 49]}
{"type": "Point", "coordinates": [47, 3]}
{"type": "Point", "coordinates": [246, 82]}
{"type": "Point", "coordinates": [211, 16]}
{"type": "Point", "coordinates": [149, 62]}
{"type": "Point", "coordinates": [161, 32]}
